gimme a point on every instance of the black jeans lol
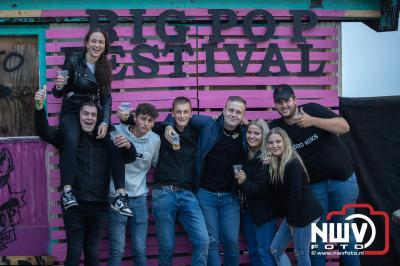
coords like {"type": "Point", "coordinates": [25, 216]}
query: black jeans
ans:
{"type": "Point", "coordinates": [84, 227]}
{"type": "Point", "coordinates": [70, 128]}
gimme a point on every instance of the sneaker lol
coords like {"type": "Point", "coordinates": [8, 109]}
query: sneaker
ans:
{"type": "Point", "coordinates": [68, 199]}
{"type": "Point", "coordinates": [120, 204]}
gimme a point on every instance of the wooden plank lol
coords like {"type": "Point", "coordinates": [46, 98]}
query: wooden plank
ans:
{"type": "Point", "coordinates": [255, 68]}
{"type": "Point", "coordinates": [150, 83]}
{"type": "Point", "coordinates": [300, 93]}
{"type": "Point", "coordinates": [245, 81]}
{"type": "Point", "coordinates": [279, 31]}
{"type": "Point", "coordinates": [59, 60]}
{"type": "Point", "coordinates": [201, 55]}
{"type": "Point", "coordinates": [251, 115]}
{"type": "Point", "coordinates": [201, 12]}
{"type": "Point", "coordinates": [202, 30]}
{"type": "Point", "coordinates": [265, 103]}
{"type": "Point", "coordinates": [142, 95]}
{"type": "Point", "coordinates": [20, 13]}
{"type": "Point", "coordinates": [121, 31]}
{"type": "Point", "coordinates": [219, 68]}
{"type": "Point", "coordinates": [154, 95]}
{"type": "Point", "coordinates": [55, 47]}
{"type": "Point", "coordinates": [223, 55]}
{"type": "Point", "coordinates": [161, 104]}
{"type": "Point", "coordinates": [164, 70]}
{"type": "Point", "coordinates": [282, 43]}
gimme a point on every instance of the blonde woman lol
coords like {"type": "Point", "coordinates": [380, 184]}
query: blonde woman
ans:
{"type": "Point", "coordinates": [258, 198]}
{"type": "Point", "coordinates": [290, 179]}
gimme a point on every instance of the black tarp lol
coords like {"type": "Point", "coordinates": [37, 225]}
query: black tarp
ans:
{"type": "Point", "coordinates": [374, 142]}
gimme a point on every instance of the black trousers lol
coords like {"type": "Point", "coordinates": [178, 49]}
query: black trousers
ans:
{"type": "Point", "coordinates": [84, 227]}
{"type": "Point", "coordinates": [70, 128]}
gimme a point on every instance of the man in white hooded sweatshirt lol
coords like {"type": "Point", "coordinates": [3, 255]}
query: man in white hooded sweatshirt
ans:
{"type": "Point", "coordinates": [147, 144]}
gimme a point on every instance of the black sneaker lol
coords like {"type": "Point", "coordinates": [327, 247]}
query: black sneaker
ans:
{"type": "Point", "coordinates": [120, 204]}
{"type": "Point", "coordinates": [68, 199]}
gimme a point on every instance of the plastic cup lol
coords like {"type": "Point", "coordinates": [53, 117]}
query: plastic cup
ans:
{"type": "Point", "coordinates": [125, 108]}
{"type": "Point", "coordinates": [396, 216]}
{"type": "Point", "coordinates": [63, 73]}
{"type": "Point", "coordinates": [176, 142]}
{"type": "Point", "coordinates": [237, 168]}
{"type": "Point", "coordinates": [113, 135]}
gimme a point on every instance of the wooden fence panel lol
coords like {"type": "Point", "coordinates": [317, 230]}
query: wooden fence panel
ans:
{"type": "Point", "coordinates": [207, 94]}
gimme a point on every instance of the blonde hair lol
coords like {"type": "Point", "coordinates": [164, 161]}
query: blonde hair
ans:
{"type": "Point", "coordinates": [278, 164]}
{"type": "Point", "coordinates": [261, 124]}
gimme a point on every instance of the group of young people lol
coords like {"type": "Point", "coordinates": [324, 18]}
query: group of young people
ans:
{"type": "Point", "coordinates": [295, 168]}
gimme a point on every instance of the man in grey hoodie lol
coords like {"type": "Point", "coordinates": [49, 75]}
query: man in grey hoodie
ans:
{"type": "Point", "coordinates": [147, 144]}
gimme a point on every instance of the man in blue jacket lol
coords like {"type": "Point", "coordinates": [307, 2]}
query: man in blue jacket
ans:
{"type": "Point", "coordinates": [222, 144]}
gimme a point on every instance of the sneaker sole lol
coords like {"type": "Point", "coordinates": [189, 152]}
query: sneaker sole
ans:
{"type": "Point", "coordinates": [71, 205]}
{"type": "Point", "coordinates": [117, 210]}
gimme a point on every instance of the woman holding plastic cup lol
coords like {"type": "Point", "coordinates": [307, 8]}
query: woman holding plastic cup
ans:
{"type": "Point", "coordinates": [85, 77]}
{"type": "Point", "coordinates": [258, 198]}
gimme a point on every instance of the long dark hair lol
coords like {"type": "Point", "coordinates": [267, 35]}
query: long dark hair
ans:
{"type": "Point", "coordinates": [103, 71]}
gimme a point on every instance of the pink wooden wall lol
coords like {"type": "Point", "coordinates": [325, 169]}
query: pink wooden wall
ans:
{"type": "Point", "coordinates": [24, 226]}
{"type": "Point", "coordinates": [208, 94]}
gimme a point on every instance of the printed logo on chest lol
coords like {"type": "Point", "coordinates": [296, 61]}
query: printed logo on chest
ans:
{"type": "Point", "coordinates": [306, 142]}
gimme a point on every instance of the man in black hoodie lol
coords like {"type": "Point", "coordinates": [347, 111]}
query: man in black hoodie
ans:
{"type": "Point", "coordinates": [85, 223]}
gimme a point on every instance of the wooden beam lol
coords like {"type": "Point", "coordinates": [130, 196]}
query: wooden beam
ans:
{"type": "Point", "coordinates": [20, 13]}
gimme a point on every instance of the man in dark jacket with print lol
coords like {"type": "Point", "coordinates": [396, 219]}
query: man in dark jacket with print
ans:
{"type": "Point", "coordinates": [85, 223]}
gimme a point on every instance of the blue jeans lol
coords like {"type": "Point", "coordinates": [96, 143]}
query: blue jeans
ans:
{"type": "Point", "coordinates": [332, 195]}
{"type": "Point", "coordinates": [259, 238]}
{"type": "Point", "coordinates": [222, 214]}
{"type": "Point", "coordinates": [301, 237]}
{"type": "Point", "coordinates": [137, 226]}
{"type": "Point", "coordinates": [169, 206]}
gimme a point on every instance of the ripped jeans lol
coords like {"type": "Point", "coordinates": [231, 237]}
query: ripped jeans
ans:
{"type": "Point", "coordinates": [301, 239]}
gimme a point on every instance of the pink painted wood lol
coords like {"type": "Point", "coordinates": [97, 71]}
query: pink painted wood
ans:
{"type": "Point", "coordinates": [205, 93]}
{"type": "Point", "coordinates": [309, 94]}
{"type": "Point", "coordinates": [223, 55]}
{"type": "Point", "coordinates": [23, 197]}
{"type": "Point", "coordinates": [198, 12]}
{"type": "Point", "coordinates": [203, 31]}
{"type": "Point", "coordinates": [121, 31]}
{"type": "Point", "coordinates": [261, 55]}
{"type": "Point", "coordinates": [252, 81]}
{"type": "Point", "coordinates": [255, 68]}
{"type": "Point", "coordinates": [279, 31]}
{"type": "Point", "coordinates": [127, 46]}
{"type": "Point", "coordinates": [282, 43]}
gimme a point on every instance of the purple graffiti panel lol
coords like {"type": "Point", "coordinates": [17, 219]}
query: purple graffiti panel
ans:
{"type": "Point", "coordinates": [24, 222]}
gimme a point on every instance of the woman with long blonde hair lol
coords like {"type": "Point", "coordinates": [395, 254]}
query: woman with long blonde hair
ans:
{"type": "Point", "coordinates": [290, 179]}
{"type": "Point", "coordinates": [258, 198]}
